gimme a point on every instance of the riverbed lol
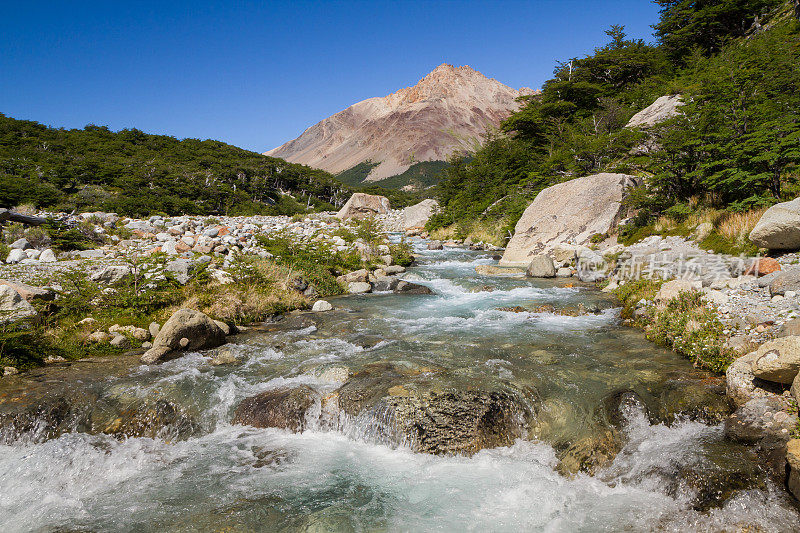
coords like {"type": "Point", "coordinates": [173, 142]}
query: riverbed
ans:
{"type": "Point", "coordinates": [613, 432]}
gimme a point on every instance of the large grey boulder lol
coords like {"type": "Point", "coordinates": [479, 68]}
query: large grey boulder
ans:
{"type": "Point", "coordinates": [662, 109]}
{"type": "Point", "coordinates": [362, 205]}
{"type": "Point", "coordinates": [541, 266]}
{"type": "Point", "coordinates": [13, 306]}
{"type": "Point", "coordinates": [779, 227]}
{"type": "Point", "coordinates": [778, 360]}
{"type": "Point", "coordinates": [568, 213]}
{"type": "Point", "coordinates": [186, 329]}
{"type": "Point", "coordinates": [416, 216]}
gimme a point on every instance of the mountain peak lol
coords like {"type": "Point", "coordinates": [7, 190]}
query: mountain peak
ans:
{"type": "Point", "coordinates": [449, 110]}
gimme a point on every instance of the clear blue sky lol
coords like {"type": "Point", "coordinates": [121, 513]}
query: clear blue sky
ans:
{"type": "Point", "coordinates": [256, 74]}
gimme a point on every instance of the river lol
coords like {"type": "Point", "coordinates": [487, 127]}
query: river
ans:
{"type": "Point", "coordinates": [598, 398]}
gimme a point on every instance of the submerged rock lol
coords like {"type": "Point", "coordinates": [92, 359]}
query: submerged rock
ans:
{"type": "Point", "coordinates": [279, 408]}
{"type": "Point", "coordinates": [406, 287]}
{"type": "Point", "coordinates": [761, 418]}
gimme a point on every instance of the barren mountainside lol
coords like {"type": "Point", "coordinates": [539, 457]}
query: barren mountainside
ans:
{"type": "Point", "coordinates": [447, 111]}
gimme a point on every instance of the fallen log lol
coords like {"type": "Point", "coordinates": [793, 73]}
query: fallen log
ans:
{"type": "Point", "coordinates": [13, 216]}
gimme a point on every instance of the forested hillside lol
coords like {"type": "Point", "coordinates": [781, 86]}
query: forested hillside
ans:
{"type": "Point", "coordinates": [134, 173]}
{"type": "Point", "coordinates": [734, 146]}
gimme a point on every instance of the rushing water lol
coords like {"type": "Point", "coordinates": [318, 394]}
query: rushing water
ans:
{"type": "Point", "coordinates": [204, 474]}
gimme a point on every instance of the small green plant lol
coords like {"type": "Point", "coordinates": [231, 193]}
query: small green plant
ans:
{"type": "Point", "coordinates": [402, 253]}
{"type": "Point", "coordinates": [631, 293]}
{"type": "Point", "coordinates": [318, 263]}
{"type": "Point", "coordinates": [64, 238]}
{"type": "Point", "coordinates": [719, 244]}
{"type": "Point", "coordinates": [688, 326]}
{"type": "Point", "coordinates": [598, 237]}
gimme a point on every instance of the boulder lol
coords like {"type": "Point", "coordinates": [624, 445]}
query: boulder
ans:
{"type": "Point", "coordinates": [790, 328]}
{"type": "Point", "coordinates": [672, 289]}
{"type": "Point", "coordinates": [702, 231]}
{"type": "Point", "coordinates": [29, 292]}
{"type": "Point", "coordinates": [793, 460]}
{"type": "Point", "coordinates": [111, 274]}
{"type": "Point", "coordinates": [362, 205]}
{"type": "Point", "coordinates": [359, 287]}
{"type": "Point", "coordinates": [98, 337]}
{"type": "Point", "coordinates": [384, 283]}
{"type": "Point", "coordinates": [13, 306]}
{"type": "Point", "coordinates": [120, 341]}
{"type": "Point", "coordinates": [352, 277]}
{"type": "Point", "coordinates": [181, 269]}
{"type": "Point", "coordinates": [741, 384]}
{"type": "Point", "coordinates": [416, 216]}
{"type": "Point", "coordinates": [541, 266]}
{"type": "Point", "coordinates": [665, 107]}
{"type": "Point", "coordinates": [15, 256]}
{"type": "Point", "coordinates": [200, 331]}
{"type": "Point", "coordinates": [762, 266]}
{"type": "Point", "coordinates": [788, 280]}
{"type": "Point", "coordinates": [435, 245]}
{"type": "Point", "coordinates": [321, 305]}
{"type": "Point", "coordinates": [779, 227]}
{"type": "Point", "coordinates": [279, 408]}
{"type": "Point", "coordinates": [226, 329]}
{"type": "Point", "coordinates": [564, 253]}
{"type": "Point", "coordinates": [571, 213]}
{"type": "Point", "coordinates": [448, 421]}
{"type": "Point", "coordinates": [48, 256]}
{"type": "Point", "coordinates": [778, 360]}
{"type": "Point", "coordinates": [21, 244]}
{"type": "Point", "coordinates": [406, 287]}
{"type": "Point", "coordinates": [394, 269]}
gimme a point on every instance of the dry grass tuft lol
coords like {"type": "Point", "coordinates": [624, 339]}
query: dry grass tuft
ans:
{"type": "Point", "coordinates": [26, 209]}
{"type": "Point", "coordinates": [737, 226]}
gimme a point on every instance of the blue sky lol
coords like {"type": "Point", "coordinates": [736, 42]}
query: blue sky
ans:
{"type": "Point", "coordinates": [256, 74]}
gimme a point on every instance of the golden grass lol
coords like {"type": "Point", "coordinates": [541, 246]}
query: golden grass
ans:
{"type": "Point", "coordinates": [737, 226]}
{"type": "Point", "coordinates": [26, 209]}
{"type": "Point", "coordinates": [265, 292]}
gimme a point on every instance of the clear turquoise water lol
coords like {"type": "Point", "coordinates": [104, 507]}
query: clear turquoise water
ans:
{"type": "Point", "coordinates": [235, 478]}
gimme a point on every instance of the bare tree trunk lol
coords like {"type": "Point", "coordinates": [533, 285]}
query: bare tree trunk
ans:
{"type": "Point", "coordinates": [12, 216]}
